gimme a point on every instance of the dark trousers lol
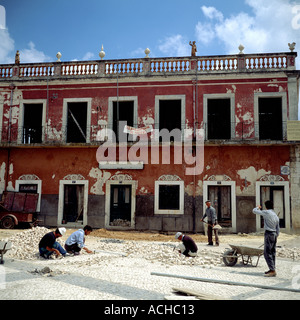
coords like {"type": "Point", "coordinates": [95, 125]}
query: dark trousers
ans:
{"type": "Point", "coordinates": [210, 234]}
{"type": "Point", "coordinates": [72, 248]}
{"type": "Point", "coordinates": [270, 249]}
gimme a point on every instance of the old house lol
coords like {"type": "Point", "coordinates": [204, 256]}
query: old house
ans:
{"type": "Point", "coordinates": [142, 143]}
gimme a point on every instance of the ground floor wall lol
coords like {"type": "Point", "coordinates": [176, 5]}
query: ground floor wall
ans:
{"type": "Point", "coordinates": [74, 191]}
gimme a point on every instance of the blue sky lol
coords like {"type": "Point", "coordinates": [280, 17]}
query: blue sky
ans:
{"type": "Point", "coordinates": [41, 28]}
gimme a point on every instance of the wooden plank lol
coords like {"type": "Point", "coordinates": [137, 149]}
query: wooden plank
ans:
{"type": "Point", "coordinates": [198, 294]}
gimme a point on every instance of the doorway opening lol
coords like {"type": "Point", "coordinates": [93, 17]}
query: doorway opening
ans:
{"type": "Point", "coordinates": [120, 205]}
{"type": "Point", "coordinates": [73, 206]}
{"type": "Point", "coordinates": [220, 197]}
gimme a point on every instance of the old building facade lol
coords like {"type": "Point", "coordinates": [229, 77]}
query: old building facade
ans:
{"type": "Point", "coordinates": [227, 119]}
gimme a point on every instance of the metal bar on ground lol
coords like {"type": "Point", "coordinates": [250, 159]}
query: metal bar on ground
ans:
{"type": "Point", "coordinates": [225, 282]}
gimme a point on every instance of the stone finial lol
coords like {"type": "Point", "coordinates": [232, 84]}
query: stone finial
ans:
{"type": "Point", "coordinates": [17, 57]}
{"type": "Point", "coordinates": [58, 56]}
{"type": "Point", "coordinates": [241, 48]}
{"type": "Point", "coordinates": [292, 46]}
{"type": "Point", "coordinates": [147, 52]}
{"type": "Point", "coordinates": [102, 53]}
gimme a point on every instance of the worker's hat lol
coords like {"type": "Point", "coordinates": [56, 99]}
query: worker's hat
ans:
{"type": "Point", "coordinates": [62, 231]}
{"type": "Point", "coordinates": [178, 234]}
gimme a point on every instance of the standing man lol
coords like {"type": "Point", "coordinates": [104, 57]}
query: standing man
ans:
{"type": "Point", "coordinates": [48, 244]}
{"type": "Point", "coordinates": [76, 240]}
{"type": "Point", "coordinates": [271, 226]}
{"type": "Point", "coordinates": [212, 220]}
{"type": "Point", "coordinates": [188, 247]}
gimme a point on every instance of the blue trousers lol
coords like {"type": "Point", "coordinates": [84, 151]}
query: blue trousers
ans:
{"type": "Point", "coordinates": [270, 249]}
{"type": "Point", "coordinates": [46, 253]}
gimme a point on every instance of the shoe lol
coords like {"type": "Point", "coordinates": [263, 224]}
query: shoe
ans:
{"type": "Point", "coordinates": [210, 244]}
{"type": "Point", "coordinates": [270, 273]}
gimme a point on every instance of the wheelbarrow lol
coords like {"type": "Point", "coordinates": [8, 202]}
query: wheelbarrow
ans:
{"type": "Point", "coordinates": [230, 257]}
{"type": "Point", "coordinates": [4, 246]}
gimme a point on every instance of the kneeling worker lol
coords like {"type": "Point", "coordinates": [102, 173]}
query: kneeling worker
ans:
{"type": "Point", "coordinates": [188, 247]}
{"type": "Point", "coordinates": [76, 240]}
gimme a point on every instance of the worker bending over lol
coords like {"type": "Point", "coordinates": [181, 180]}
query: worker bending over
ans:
{"type": "Point", "coordinates": [76, 241]}
{"type": "Point", "coordinates": [187, 247]}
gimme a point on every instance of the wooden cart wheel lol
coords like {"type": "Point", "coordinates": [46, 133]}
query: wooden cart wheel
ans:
{"type": "Point", "coordinates": [230, 258]}
{"type": "Point", "coordinates": [8, 223]}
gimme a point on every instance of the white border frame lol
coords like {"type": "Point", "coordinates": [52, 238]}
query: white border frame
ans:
{"type": "Point", "coordinates": [282, 95]}
{"type": "Point", "coordinates": [109, 183]}
{"type": "Point", "coordinates": [220, 96]}
{"type": "Point", "coordinates": [21, 117]}
{"type": "Point", "coordinates": [232, 184]}
{"type": "Point", "coordinates": [65, 117]}
{"type": "Point", "coordinates": [286, 192]}
{"type": "Point", "coordinates": [39, 189]}
{"type": "Point", "coordinates": [62, 183]}
{"type": "Point", "coordinates": [181, 197]}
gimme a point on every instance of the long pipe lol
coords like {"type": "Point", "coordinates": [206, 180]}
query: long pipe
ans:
{"type": "Point", "coordinates": [234, 283]}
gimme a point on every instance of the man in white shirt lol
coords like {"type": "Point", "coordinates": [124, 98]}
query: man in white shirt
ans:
{"type": "Point", "coordinates": [271, 226]}
{"type": "Point", "coordinates": [76, 240]}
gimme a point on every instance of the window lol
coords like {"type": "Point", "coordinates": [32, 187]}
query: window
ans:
{"type": "Point", "coordinates": [123, 114]}
{"type": "Point", "coordinates": [169, 197]}
{"type": "Point", "coordinates": [218, 119]}
{"type": "Point", "coordinates": [77, 120]}
{"type": "Point", "coordinates": [122, 111]}
{"type": "Point", "coordinates": [169, 116]}
{"type": "Point", "coordinates": [270, 118]}
{"type": "Point", "coordinates": [32, 123]}
{"type": "Point", "coordinates": [219, 116]}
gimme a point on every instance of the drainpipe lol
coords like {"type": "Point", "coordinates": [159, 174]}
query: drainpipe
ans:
{"type": "Point", "coordinates": [12, 87]}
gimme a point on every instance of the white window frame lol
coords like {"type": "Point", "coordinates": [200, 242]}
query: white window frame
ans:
{"type": "Point", "coordinates": [88, 118]}
{"type": "Point", "coordinates": [282, 95]}
{"type": "Point", "coordinates": [232, 184]}
{"type": "Point", "coordinates": [21, 117]}
{"type": "Point", "coordinates": [181, 197]}
{"type": "Point", "coordinates": [220, 96]}
{"type": "Point", "coordinates": [62, 184]}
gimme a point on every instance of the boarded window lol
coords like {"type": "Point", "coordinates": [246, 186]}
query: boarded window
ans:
{"type": "Point", "coordinates": [123, 114]}
{"type": "Point", "coordinates": [218, 119]}
{"type": "Point", "coordinates": [270, 118]}
{"type": "Point", "coordinates": [32, 125]}
{"type": "Point", "coordinates": [77, 122]}
{"type": "Point", "coordinates": [169, 197]}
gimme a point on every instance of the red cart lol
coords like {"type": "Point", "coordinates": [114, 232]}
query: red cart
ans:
{"type": "Point", "coordinates": [18, 207]}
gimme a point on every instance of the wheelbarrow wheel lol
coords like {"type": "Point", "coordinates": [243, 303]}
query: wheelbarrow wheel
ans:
{"type": "Point", "coordinates": [230, 258]}
{"type": "Point", "coordinates": [7, 223]}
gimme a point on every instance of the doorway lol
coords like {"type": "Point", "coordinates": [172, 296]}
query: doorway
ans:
{"type": "Point", "coordinates": [220, 197]}
{"type": "Point", "coordinates": [73, 203]}
{"type": "Point", "coordinates": [120, 205]}
{"type": "Point", "coordinates": [276, 195]}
